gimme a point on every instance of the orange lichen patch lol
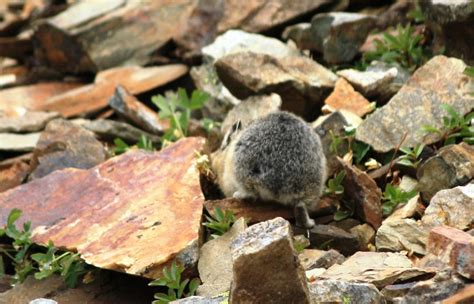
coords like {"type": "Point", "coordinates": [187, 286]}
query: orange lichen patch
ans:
{"type": "Point", "coordinates": [133, 213]}
{"type": "Point", "coordinates": [344, 97]}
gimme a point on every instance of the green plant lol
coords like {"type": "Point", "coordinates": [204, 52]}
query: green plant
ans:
{"type": "Point", "coordinates": [143, 143]}
{"type": "Point", "coordinates": [454, 127]}
{"type": "Point", "coordinates": [300, 243]}
{"type": "Point", "coordinates": [393, 196]}
{"type": "Point", "coordinates": [177, 109]}
{"type": "Point", "coordinates": [347, 211]}
{"type": "Point", "coordinates": [403, 48]}
{"type": "Point", "coordinates": [411, 155]}
{"type": "Point", "coordinates": [334, 186]}
{"type": "Point", "coordinates": [357, 149]}
{"type": "Point", "coordinates": [416, 14]}
{"type": "Point", "coordinates": [220, 223]}
{"type": "Point", "coordinates": [176, 288]}
{"type": "Point", "coordinates": [42, 264]}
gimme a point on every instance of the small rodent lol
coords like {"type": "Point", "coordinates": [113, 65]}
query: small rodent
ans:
{"type": "Point", "coordinates": [277, 158]}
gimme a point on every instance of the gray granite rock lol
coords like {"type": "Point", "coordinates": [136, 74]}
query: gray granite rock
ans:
{"type": "Point", "coordinates": [340, 291]}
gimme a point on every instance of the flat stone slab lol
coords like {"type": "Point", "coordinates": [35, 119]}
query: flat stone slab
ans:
{"type": "Point", "coordinates": [134, 213]}
{"type": "Point", "coordinates": [24, 121]}
{"type": "Point", "coordinates": [18, 142]}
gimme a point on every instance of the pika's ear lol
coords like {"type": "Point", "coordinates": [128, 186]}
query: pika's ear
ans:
{"type": "Point", "coordinates": [228, 136]}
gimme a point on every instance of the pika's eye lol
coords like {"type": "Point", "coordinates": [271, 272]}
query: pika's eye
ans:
{"type": "Point", "coordinates": [229, 135]}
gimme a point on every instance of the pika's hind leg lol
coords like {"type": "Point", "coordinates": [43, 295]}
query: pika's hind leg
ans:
{"type": "Point", "coordinates": [302, 217]}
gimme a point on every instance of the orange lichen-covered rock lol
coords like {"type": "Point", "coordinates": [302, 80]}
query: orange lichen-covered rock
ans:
{"type": "Point", "coordinates": [344, 97]}
{"type": "Point", "coordinates": [134, 213]}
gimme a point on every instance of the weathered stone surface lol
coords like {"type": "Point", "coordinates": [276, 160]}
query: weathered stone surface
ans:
{"type": "Point", "coordinates": [369, 83]}
{"type": "Point", "coordinates": [465, 295]}
{"type": "Point", "coordinates": [128, 106]}
{"type": "Point", "coordinates": [236, 41]}
{"type": "Point", "coordinates": [366, 235]}
{"type": "Point", "coordinates": [339, 35]}
{"type": "Point", "coordinates": [451, 207]}
{"type": "Point", "coordinates": [441, 286]}
{"type": "Point", "coordinates": [453, 247]}
{"type": "Point", "coordinates": [24, 121]}
{"type": "Point", "coordinates": [301, 82]}
{"type": "Point", "coordinates": [439, 81]}
{"type": "Point", "coordinates": [451, 166]}
{"type": "Point", "coordinates": [254, 212]}
{"type": "Point", "coordinates": [407, 210]}
{"type": "Point", "coordinates": [264, 251]}
{"type": "Point", "coordinates": [215, 262]}
{"type": "Point", "coordinates": [65, 145]}
{"type": "Point", "coordinates": [385, 92]}
{"type": "Point", "coordinates": [315, 258]}
{"type": "Point", "coordinates": [301, 35]}
{"type": "Point", "coordinates": [108, 129]}
{"type": "Point", "coordinates": [378, 268]}
{"type": "Point", "coordinates": [115, 214]}
{"type": "Point", "coordinates": [339, 291]}
{"type": "Point", "coordinates": [250, 109]}
{"type": "Point", "coordinates": [18, 142]}
{"type": "Point", "coordinates": [203, 300]}
{"type": "Point", "coordinates": [335, 238]}
{"type": "Point", "coordinates": [346, 98]}
{"type": "Point", "coordinates": [364, 192]}
{"type": "Point", "coordinates": [12, 175]}
{"type": "Point", "coordinates": [402, 234]}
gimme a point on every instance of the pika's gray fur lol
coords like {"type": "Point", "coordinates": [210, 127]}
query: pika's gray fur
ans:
{"type": "Point", "coordinates": [277, 158]}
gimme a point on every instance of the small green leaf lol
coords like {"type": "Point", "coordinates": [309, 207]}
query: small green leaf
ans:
{"type": "Point", "coordinates": [193, 285]}
{"type": "Point", "coordinates": [13, 216]}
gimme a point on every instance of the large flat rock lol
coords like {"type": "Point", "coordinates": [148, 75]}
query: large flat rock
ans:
{"type": "Point", "coordinates": [133, 213]}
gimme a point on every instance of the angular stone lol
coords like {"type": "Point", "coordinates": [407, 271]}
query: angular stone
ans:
{"type": "Point", "coordinates": [301, 82]}
{"type": "Point", "coordinates": [439, 81]}
{"type": "Point", "coordinates": [12, 175]}
{"type": "Point", "coordinates": [215, 262]}
{"type": "Point", "coordinates": [203, 300]}
{"type": "Point", "coordinates": [65, 145]}
{"type": "Point", "coordinates": [237, 41]}
{"type": "Point", "coordinates": [139, 208]}
{"type": "Point", "coordinates": [451, 207]}
{"type": "Point", "coordinates": [18, 142]}
{"type": "Point", "coordinates": [453, 247]}
{"type": "Point", "coordinates": [108, 129]}
{"type": "Point", "coordinates": [335, 238]}
{"type": "Point", "coordinates": [385, 92]}
{"type": "Point", "coordinates": [250, 109]}
{"type": "Point", "coordinates": [366, 235]}
{"type": "Point", "coordinates": [338, 35]}
{"type": "Point", "coordinates": [315, 258]}
{"type": "Point", "coordinates": [369, 83]}
{"type": "Point", "coordinates": [452, 166]}
{"type": "Point", "coordinates": [131, 108]}
{"type": "Point", "coordinates": [262, 251]}
{"type": "Point", "coordinates": [339, 291]}
{"type": "Point", "coordinates": [378, 268]}
{"type": "Point", "coordinates": [364, 192]}
{"type": "Point", "coordinates": [254, 212]}
{"type": "Point", "coordinates": [24, 121]}
{"type": "Point", "coordinates": [346, 98]}
{"type": "Point", "coordinates": [408, 210]}
{"type": "Point", "coordinates": [402, 234]}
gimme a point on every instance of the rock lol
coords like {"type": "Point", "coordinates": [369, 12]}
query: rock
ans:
{"type": "Point", "coordinates": [407, 210]}
{"type": "Point", "coordinates": [127, 105]}
{"type": "Point", "coordinates": [264, 251]}
{"type": "Point", "coordinates": [139, 208]}
{"type": "Point", "coordinates": [43, 301]}
{"type": "Point", "coordinates": [335, 238]}
{"type": "Point", "coordinates": [386, 92]}
{"type": "Point", "coordinates": [439, 81]}
{"type": "Point", "coordinates": [451, 23]}
{"type": "Point", "coordinates": [366, 235]}
{"type": "Point", "coordinates": [202, 300]}
{"type": "Point", "coordinates": [250, 109]}
{"type": "Point", "coordinates": [360, 188]}
{"type": "Point", "coordinates": [452, 166]}
{"type": "Point", "coordinates": [345, 97]}
{"type": "Point", "coordinates": [315, 258]}
{"type": "Point", "coordinates": [24, 121]}
{"type": "Point", "coordinates": [301, 82]}
{"type": "Point", "coordinates": [108, 129]}
{"type": "Point", "coordinates": [328, 127]}
{"type": "Point", "coordinates": [237, 41]}
{"type": "Point", "coordinates": [378, 268]}
{"type": "Point", "coordinates": [339, 291]}
{"type": "Point", "coordinates": [346, 224]}
{"type": "Point", "coordinates": [65, 145]}
{"type": "Point", "coordinates": [32, 97]}
{"type": "Point", "coordinates": [402, 234]}
{"type": "Point", "coordinates": [441, 286]}
{"type": "Point", "coordinates": [301, 35]}
{"type": "Point", "coordinates": [338, 35]}
{"type": "Point", "coordinates": [13, 174]}
{"type": "Point", "coordinates": [18, 142]}
{"type": "Point", "coordinates": [453, 247]}
{"type": "Point", "coordinates": [254, 212]}
{"type": "Point", "coordinates": [215, 262]}
{"type": "Point", "coordinates": [451, 207]}
{"type": "Point", "coordinates": [371, 84]}
{"type": "Point", "coordinates": [465, 295]}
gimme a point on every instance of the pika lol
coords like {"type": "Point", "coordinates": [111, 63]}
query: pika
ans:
{"type": "Point", "coordinates": [277, 158]}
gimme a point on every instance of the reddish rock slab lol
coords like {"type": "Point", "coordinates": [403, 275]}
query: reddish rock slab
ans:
{"type": "Point", "coordinates": [464, 296]}
{"type": "Point", "coordinates": [344, 97]}
{"type": "Point", "coordinates": [12, 175]}
{"type": "Point", "coordinates": [134, 213]}
{"type": "Point", "coordinates": [454, 247]}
